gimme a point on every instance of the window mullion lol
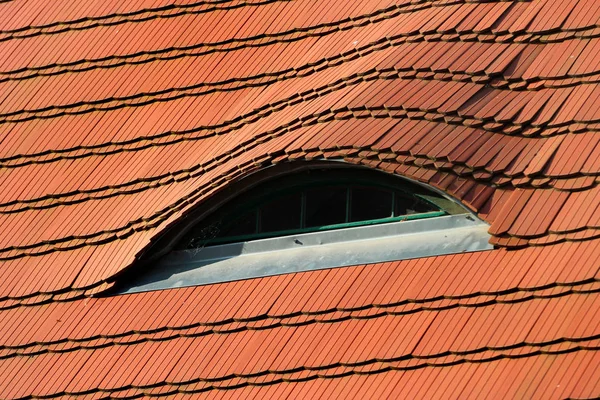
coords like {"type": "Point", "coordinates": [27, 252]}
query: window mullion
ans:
{"type": "Point", "coordinates": [257, 228]}
{"type": "Point", "coordinates": [348, 200]}
{"type": "Point", "coordinates": [303, 210]}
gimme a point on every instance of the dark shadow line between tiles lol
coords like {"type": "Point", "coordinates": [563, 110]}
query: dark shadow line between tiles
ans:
{"type": "Point", "coordinates": [154, 220]}
{"type": "Point", "coordinates": [318, 372]}
{"type": "Point", "coordinates": [364, 19]}
{"type": "Point", "coordinates": [154, 55]}
{"type": "Point", "coordinates": [97, 194]}
{"type": "Point", "coordinates": [167, 178]}
{"type": "Point", "coordinates": [30, 300]}
{"type": "Point", "coordinates": [229, 125]}
{"type": "Point", "coordinates": [567, 236]}
{"type": "Point", "coordinates": [79, 196]}
{"type": "Point", "coordinates": [176, 333]}
{"type": "Point", "coordinates": [262, 112]}
{"type": "Point", "coordinates": [495, 81]}
{"type": "Point", "coordinates": [173, 10]}
{"type": "Point", "coordinates": [180, 175]}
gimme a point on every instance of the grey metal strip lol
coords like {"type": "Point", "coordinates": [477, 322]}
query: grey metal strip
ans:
{"type": "Point", "coordinates": [313, 251]}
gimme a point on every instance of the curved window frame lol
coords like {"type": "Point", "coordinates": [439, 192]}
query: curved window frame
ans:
{"type": "Point", "coordinates": [300, 183]}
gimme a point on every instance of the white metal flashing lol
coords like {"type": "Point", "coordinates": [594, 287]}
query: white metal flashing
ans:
{"type": "Point", "coordinates": [318, 250]}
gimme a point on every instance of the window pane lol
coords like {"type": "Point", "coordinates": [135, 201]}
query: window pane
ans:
{"type": "Point", "coordinates": [370, 203]}
{"type": "Point", "coordinates": [244, 225]}
{"type": "Point", "coordinates": [281, 214]}
{"type": "Point", "coordinates": [406, 205]}
{"type": "Point", "coordinates": [325, 206]}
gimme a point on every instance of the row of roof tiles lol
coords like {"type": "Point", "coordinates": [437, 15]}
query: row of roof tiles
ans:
{"type": "Point", "coordinates": [76, 15]}
{"type": "Point", "coordinates": [474, 103]}
{"type": "Point", "coordinates": [439, 282]}
{"type": "Point", "coordinates": [503, 313]}
{"type": "Point", "coordinates": [464, 151]}
{"type": "Point", "coordinates": [574, 371]}
{"type": "Point", "coordinates": [426, 16]}
{"type": "Point", "coordinates": [511, 377]}
{"type": "Point", "coordinates": [387, 22]}
{"type": "Point", "coordinates": [37, 201]}
{"type": "Point", "coordinates": [440, 115]}
{"type": "Point", "coordinates": [149, 107]}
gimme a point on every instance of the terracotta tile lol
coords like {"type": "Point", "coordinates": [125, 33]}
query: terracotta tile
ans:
{"type": "Point", "coordinates": [17, 15]}
{"type": "Point", "coordinates": [288, 301]}
{"type": "Point", "coordinates": [131, 361]}
{"type": "Point", "coordinates": [362, 331]}
{"type": "Point", "coordinates": [10, 369]}
{"type": "Point", "coordinates": [70, 364]}
{"type": "Point", "coordinates": [38, 368]}
{"type": "Point", "coordinates": [587, 372]}
{"type": "Point", "coordinates": [577, 106]}
{"type": "Point", "coordinates": [585, 62]}
{"type": "Point", "coordinates": [95, 369]}
{"type": "Point", "coordinates": [368, 342]}
{"type": "Point", "coordinates": [189, 366]}
{"type": "Point", "coordinates": [559, 380]}
{"type": "Point", "coordinates": [428, 142]}
{"type": "Point", "coordinates": [581, 146]}
{"type": "Point", "coordinates": [460, 97]}
{"type": "Point", "coordinates": [164, 358]}
{"type": "Point", "coordinates": [550, 111]}
{"type": "Point", "coordinates": [578, 210]}
{"type": "Point", "coordinates": [530, 223]}
{"type": "Point", "coordinates": [555, 18]}
{"type": "Point", "coordinates": [280, 339]}
{"type": "Point", "coordinates": [417, 325]}
{"type": "Point", "coordinates": [510, 211]}
{"type": "Point", "coordinates": [507, 156]}
{"type": "Point", "coordinates": [17, 323]}
{"type": "Point", "coordinates": [298, 345]}
{"type": "Point", "coordinates": [381, 385]}
{"type": "Point", "coordinates": [504, 156]}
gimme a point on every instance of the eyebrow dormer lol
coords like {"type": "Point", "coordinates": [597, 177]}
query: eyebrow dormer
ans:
{"type": "Point", "coordinates": [317, 216]}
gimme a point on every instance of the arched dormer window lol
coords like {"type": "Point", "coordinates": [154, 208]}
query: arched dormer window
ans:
{"type": "Point", "coordinates": [307, 217]}
{"type": "Point", "coordinates": [316, 201]}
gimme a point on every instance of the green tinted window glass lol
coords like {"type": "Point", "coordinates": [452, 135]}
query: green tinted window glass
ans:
{"type": "Point", "coordinates": [325, 206]}
{"type": "Point", "coordinates": [281, 214]}
{"type": "Point", "coordinates": [408, 205]}
{"type": "Point", "coordinates": [245, 225]}
{"type": "Point", "coordinates": [368, 203]}
{"type": "Point", "coordinates": [315, 200]}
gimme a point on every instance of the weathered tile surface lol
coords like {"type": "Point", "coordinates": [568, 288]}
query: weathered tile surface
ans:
{"type": "Point", "coordinates": [116, 118]}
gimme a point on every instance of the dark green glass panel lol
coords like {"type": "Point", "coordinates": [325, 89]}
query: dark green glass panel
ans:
{"type": "Point", "coordinates": [245, 225]}
{"type": "Point", "coordinates": [370, 203]}
{"type": "Point", "coordinates": [281, 214]}
{"type": "Point", "coordinates": [411, 205]}
{"type": "Point", "coordinates": [325, 206]}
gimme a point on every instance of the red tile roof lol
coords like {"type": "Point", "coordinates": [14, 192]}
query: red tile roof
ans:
{"type": "Point", "coordinates": [117, 118]}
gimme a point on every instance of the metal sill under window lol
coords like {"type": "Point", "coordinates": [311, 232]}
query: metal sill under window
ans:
{"type": "Point", "coordinates": [317, 250]}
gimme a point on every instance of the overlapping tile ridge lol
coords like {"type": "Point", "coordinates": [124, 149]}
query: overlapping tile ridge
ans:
{"type": "Point", "coordinates": [118, 118]}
